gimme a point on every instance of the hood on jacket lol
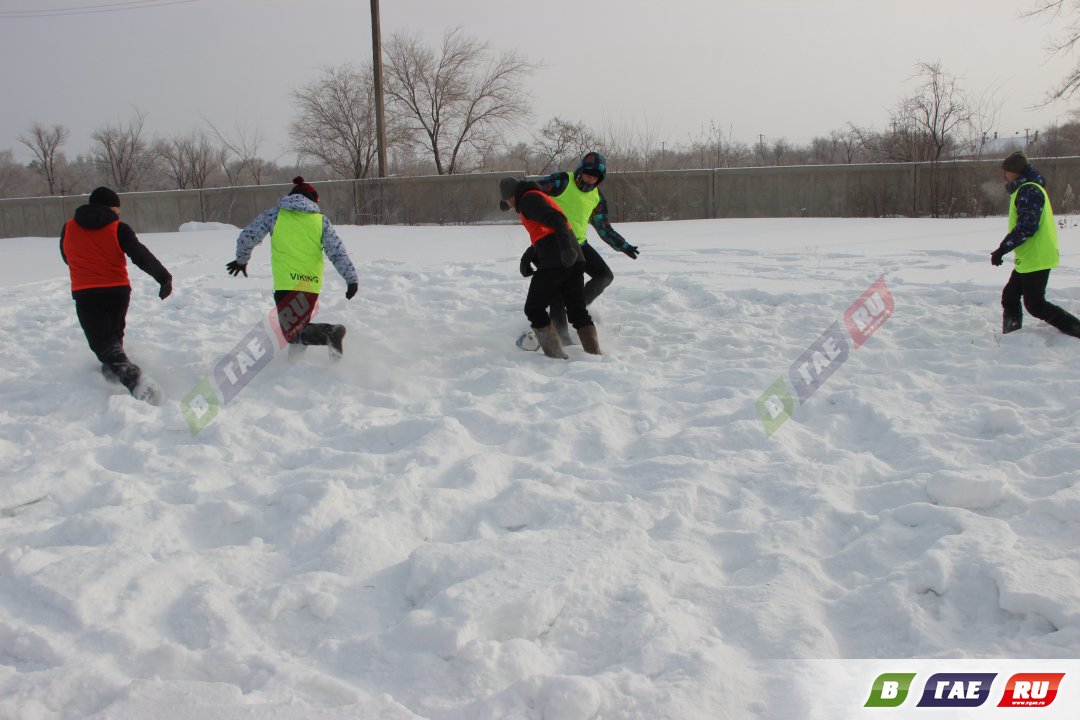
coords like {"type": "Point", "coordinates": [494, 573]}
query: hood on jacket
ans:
{"type": "Point", "coordinates": [1030, 174]}
{"type": "Point", "coordinates": [592, 162]}
{"type": "Point", "coordinates": [94, 217]}
{"type": "Point", "coordinates": [523, 187]}
{"type": "Point", "coordinates": [298, 203]}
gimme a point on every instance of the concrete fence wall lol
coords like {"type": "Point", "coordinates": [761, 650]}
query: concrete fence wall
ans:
{"type": "Point", "coordinates": [880, 190]}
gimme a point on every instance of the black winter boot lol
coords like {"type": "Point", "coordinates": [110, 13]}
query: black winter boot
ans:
{"type": "Point", "coordinates": [334, 339]}
{"type": "Point", "coordinates": [549, 342]}
{"type": "Point", "coordinates": [1011, 323]}
{"type": "Point", "coordinates": [1063, 320]}
{"type": "Point", "coordinates": [116, 363]}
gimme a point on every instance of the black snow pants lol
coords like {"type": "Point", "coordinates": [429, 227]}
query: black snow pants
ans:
{"type": "Point", "coordinates": [567, 283]}
{"type": "Point", "coordinates": [600, 276]}
{"type": "Point", "coordinates": [1031, 288]}
{"type": "Point", "coordinates": [102, 314]}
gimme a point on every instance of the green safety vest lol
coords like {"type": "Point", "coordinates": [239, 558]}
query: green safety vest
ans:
{"type": "Point", "coordinates": [578, 207]}
{"type": "Point", "coordinates": [1040, 251]}
{"type": "Point", "coordinates": [296, 253]}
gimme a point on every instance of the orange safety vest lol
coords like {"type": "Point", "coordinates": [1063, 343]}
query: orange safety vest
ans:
{"type": "Point", "coordinates": [94, 257]}
{"type": "Point", "coordinates": [537, 230]}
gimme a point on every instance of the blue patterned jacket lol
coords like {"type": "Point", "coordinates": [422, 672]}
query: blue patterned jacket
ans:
{"type": "Point", "coordinates": [1029, 207]}
{"type": "Point", "coordinates": [263, 225]}
{"type": "Point", "coordinates": [554, 185]}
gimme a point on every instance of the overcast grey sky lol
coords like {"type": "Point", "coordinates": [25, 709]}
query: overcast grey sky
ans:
{"type": "Point", "coordinates": [778, 68]}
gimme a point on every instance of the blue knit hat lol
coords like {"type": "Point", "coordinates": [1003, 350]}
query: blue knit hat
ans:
{"type": "Point", "coordinates": [593, 162]}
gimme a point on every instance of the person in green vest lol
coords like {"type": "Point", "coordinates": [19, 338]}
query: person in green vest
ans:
{"type": "Point", "coordinates": [1033, 240]}
{"type": "Point", "coordinates": [578, 195]}
{"type": "Point", "coordinates": [299, 236]}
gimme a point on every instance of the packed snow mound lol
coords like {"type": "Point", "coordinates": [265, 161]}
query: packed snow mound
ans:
{"type": "Point", "coordinates": [207, 226]}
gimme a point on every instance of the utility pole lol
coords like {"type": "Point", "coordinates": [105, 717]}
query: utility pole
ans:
{"type": "Point", "coordinates": [376, 51]}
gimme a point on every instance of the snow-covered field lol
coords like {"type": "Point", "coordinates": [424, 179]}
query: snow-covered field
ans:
{"type": "Point", "coordinates": [443, 526]}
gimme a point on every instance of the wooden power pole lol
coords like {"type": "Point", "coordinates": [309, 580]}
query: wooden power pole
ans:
{"type": "Point", "coordinates": [376, 51]}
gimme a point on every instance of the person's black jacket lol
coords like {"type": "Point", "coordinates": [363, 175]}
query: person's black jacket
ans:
{"type": "Point", "coordinates": [557, 249]}
{"type": "Point", "coordinates": [95, 217]}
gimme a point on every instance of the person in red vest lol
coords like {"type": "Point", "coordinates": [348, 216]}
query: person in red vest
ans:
{"type": "Point", "coordinates": [94, 244]}
{"type": "Point", "coordinates": [560, 266]}
{"type": "Point", "coordinates": [578, 195]}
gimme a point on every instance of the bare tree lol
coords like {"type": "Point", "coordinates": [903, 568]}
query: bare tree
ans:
{"type": "Point", "coordinates": [45, 144]}
{"type": "Point", "coordinates": [1058, 140]}
{"type": "Point", "coordinates": [336, 123]}
{"type": "Point", "coordinates": [15, 179]}
{"type": "Point", "coordinates": [985, 110]}
{"type": "Point", "coordinates": [631, 146]}
{"type": "Point", "coordinates": [560, 142]}
{"type": "Point", "coordinates": [245, 146]}
{"type": "Point", "coordinates": [849, 143]}
{"type": "Point", "coordinates": [1064, 44]}
{"type": "Point", "coordinates": [457, 99]}
{"type": "Point", "coordinates": [823, 150]}
{"type": "Point", "coordinates": [121, 154]}
{"type": "Point", "coordinates": [937, 112]}
{"type": "Point", "coordinates": [719, 150]}
{"type": "Point", "coordinates": [189, 159]}
{"type": "Point", "coordinates": [779, 150]}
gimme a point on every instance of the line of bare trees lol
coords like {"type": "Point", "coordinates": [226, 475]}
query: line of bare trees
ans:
{"type": "Point", "coordinates": [450, 109]}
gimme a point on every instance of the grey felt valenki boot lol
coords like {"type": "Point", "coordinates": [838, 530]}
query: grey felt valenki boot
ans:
{"type": "Point", "coordinates": [549, 342]}
{"type": "Point", "coordinates": [589, 342]}
{"type": "Point", "coordinates": [557, 311]}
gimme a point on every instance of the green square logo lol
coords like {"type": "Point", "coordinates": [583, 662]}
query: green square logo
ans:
{"type": "Point", "coordinates": [890, 690]}
{"type": "Point", "coordinates": [775, 406]}
{"type": "Point", "coordinates": [200, 406]}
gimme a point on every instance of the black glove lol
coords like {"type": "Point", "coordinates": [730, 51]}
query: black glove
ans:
{"type": "Point", "coordinates": [526, 267]}
{"type": "Point", "coordinates": [351, 290]}
{"type": "Point", "coordinates": [995, 257]}
{"type": "Point", "coordinates": [166, 289]}
{"type": "Point", "coordinates": [630, 250]}
{"type": "Point", "coordinates": [236, 268]}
